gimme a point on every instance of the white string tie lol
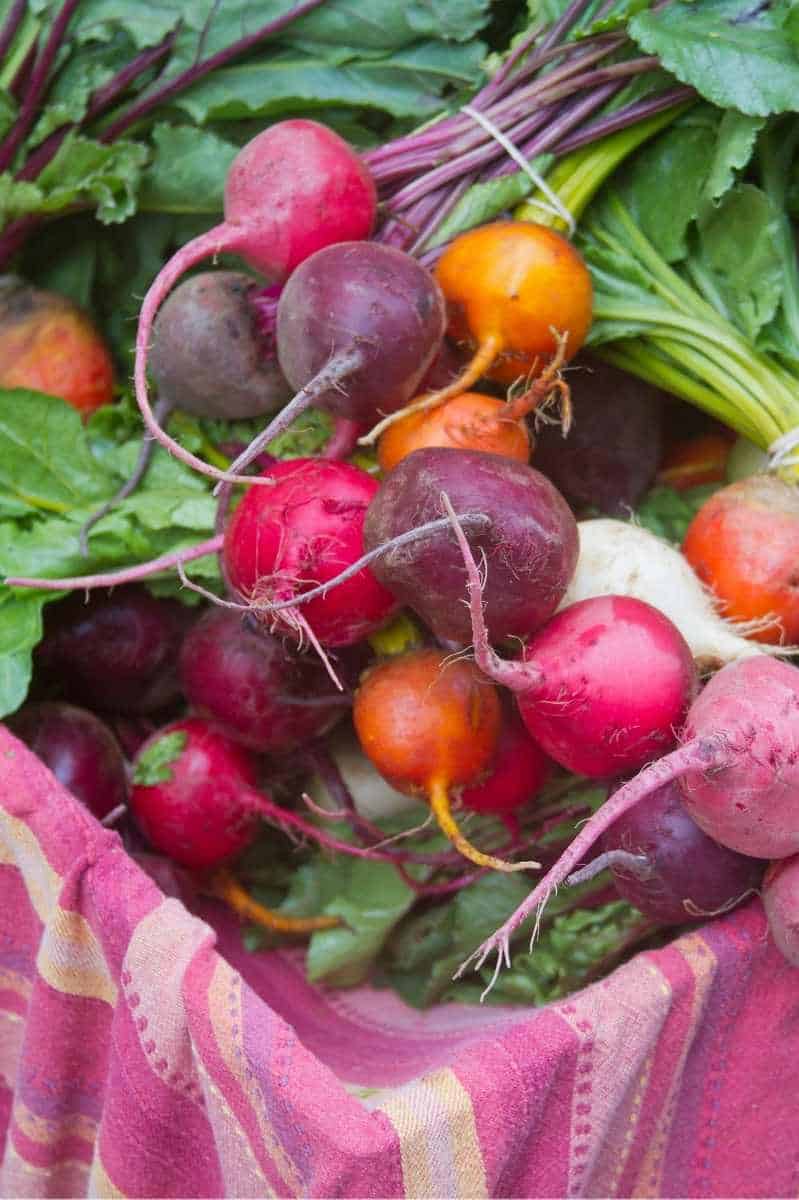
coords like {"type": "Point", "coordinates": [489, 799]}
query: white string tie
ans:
{"type": "Point", "coordinates": [556, 205]}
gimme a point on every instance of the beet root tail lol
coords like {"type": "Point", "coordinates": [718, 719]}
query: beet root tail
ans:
{"type": "Point", "coordinates": [701, 754]}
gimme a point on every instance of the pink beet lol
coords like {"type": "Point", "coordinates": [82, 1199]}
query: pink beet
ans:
{"type": "Point", "coordinates": [295, 188]}
{"type": "Point", "coordinates": [283, 540]}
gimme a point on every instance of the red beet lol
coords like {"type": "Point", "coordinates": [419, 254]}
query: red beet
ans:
{"type": "Point", "coordinates": [79, 749]}
{"type": "Point", "coordinates": [117, 651]}
{"type": "Point", "coordinates": [283, 540]}
{"type": "Point", "coordinates": [254, 687]}
{"type": "Point", "coordinates": [682, 875]}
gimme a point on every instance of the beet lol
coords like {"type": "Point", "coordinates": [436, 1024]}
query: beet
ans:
{"type": "Point", "coordinates": [612, 451]}
{"type": "Point", "coordinates": [686, 875]}
{"type": "Point", "coordinates": [79, 749]}
{"type": "Point", "coordinates": [530, 542]}
{"type": "Point", "coordinates": [254, 687]}
{"type": "Point", "coordinates": [116, 651]}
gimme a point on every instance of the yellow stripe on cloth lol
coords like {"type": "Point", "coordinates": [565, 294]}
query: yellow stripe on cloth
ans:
{"type": "Point", "coordinates": [69, 958]}
{"type": "Point", "coordinates": [439, 1147]}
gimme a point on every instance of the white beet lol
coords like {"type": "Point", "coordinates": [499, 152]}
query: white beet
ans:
{"type": "Point", "coordinates": [617, 558]}
{"type": "Point", "coordinates": [374, 799]}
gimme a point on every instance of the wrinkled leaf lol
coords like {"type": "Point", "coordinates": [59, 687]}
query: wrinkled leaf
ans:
{"type": "Point", "coordinates": [736, 53]}
{"type": "Point", "coordinates": [20, 631]}
{"type": "Point", "coordinates": [738, 249]}
{"type": "Point", "coordinates": [673, 165]}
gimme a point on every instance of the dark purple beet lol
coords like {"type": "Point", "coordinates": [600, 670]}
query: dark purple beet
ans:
{"type": "Point", "coordinates": [117, 651]}
{"type": "Point", "coordinates": [613, 449]}
{"type": "Point", "coordinates": [79, 749]}
{"type": "Point", "coordinates": [530, 545]}
{"type": "Point", "coordinates": [683, 863]}
{"type": "Point", "coordinates": [208, 355]}
{"type": "Point", "coordinates": [367, 298]}
{"type": "Point", "coordinates": [254, 687]}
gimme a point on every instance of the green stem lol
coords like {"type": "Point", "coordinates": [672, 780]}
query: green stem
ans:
{"type": "Point", "coordinates": [577, 177]}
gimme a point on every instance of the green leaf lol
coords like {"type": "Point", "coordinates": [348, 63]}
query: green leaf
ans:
{"type": "Point", "coordinates": [736, 53]}
{"type": "Point", "coordinates": [739, 251]}
{"type": "Point", "coordinates": [87, 172]}
{"type": "Point", "coordinates": [20, 631]}
{"type": "Point", "coordinates": [573, 946]}
{"type": "Point", "coordinates": [187, 171]}
{"type": "Point", "coordinates": [371, 900]}
{"type": "Point", "coordinates": [737, 136]}
{"type": "Point", "coordinates": [388, 26]}
{"type": "Point", "coordinates": [485, 201]}
{"type": "Point", "coordinates": [675, 164]}
{"type": "Point", "coordinates": [154, 762]}
{"type": "Point", "coordinates": [668, 513]}
{"type": "Point", "coordinates": [45, 460]}
{"type": "Point", "coordinates": [294, 82]}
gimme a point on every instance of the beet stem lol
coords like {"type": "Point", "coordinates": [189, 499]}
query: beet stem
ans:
{"type": "Point", "coordinates": [635, 864]}
{"type": "Point", "coordinates": [518, 677]}
{"type": "Point", "coordinates": [402, 539]}
{"type": "Point", "coordinates": [127, 575]}
{"type": "Point", "coordinates": [701, 754]}
{"type": "Point", "coordinates": [199, 70]}
{"type": "Point", "coordinates": [486, 352]}
{"type": "Point", "coordinates": [440, 805]}
{"type": "Point", "coordinates": [343, 440]}
{"type": "Point", "coordinates": [226, 887]}
{"type": "Point", "coordinates": [161, 412]}
{"type": "Point", "coordinates": [337, 368]}
{"type": "Point", "coordinates": [36, 87]}
{"type": "Point", "coordinates": [11, 25]}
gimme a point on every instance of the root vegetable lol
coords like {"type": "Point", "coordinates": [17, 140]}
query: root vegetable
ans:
{"type": "Point", "coordinates": [617, 558]}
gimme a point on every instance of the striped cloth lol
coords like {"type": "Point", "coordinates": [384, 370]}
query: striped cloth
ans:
{"type": "Point", "coordinates": [143, 1053]}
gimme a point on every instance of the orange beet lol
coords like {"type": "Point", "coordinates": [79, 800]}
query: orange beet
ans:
{"type": "Point", "coordinates": [519, 298]}
{"type": "Point", "coordinates": [744, 544]}
{"type": "Point", "coordinates": [428, 723]}
{"type": "Point", "coordinates": [470, 421]}
{"type": "Point", "coordinates": [49, 345]}
{"type": "Point", "coordinates": [507, 286]}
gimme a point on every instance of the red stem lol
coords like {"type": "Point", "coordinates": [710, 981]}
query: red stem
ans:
{"type": "Point", "coordinates": [198, 70]}
{"type": "Point", "coordinates": [36, 88]}
{"type": "Point", "coordinates": [11, 25]}
{"type": "Point", "coordinates": [126, 575]}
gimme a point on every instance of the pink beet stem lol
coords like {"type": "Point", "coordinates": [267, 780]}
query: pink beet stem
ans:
{"type": "Point", "coordinates": [207, 245]}
{"type": "Point", "coordinates": [126, 575]}
{"type": "Point", "coordinates": [343, 440]}
{"type": "Point", "coordinates": [517, 677]}
{"type": "Point", "coordinates": [336, 369]}
{"type": "Point", "coordinates": [701, 754]}
{"type": "Point", "coordinates": [284, 817]}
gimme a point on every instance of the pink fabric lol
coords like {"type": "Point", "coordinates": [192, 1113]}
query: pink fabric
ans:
{"type": "Point", "coordinates": [143, 1053]}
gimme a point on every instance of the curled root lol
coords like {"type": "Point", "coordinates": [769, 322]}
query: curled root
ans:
{"type": "Point", "coordinates": [226, 887]}
{"type": "Point", "coordinates": [547, 389]}
{"type": "Point", "coordinates": [482, 360]}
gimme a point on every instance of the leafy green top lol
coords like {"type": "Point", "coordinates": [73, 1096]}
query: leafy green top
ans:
{"type": "Point", "coordinates": [154, 761]}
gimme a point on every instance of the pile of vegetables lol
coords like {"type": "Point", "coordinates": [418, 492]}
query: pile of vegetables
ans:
{"type": "Point", "coordinates": [442, 551]}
